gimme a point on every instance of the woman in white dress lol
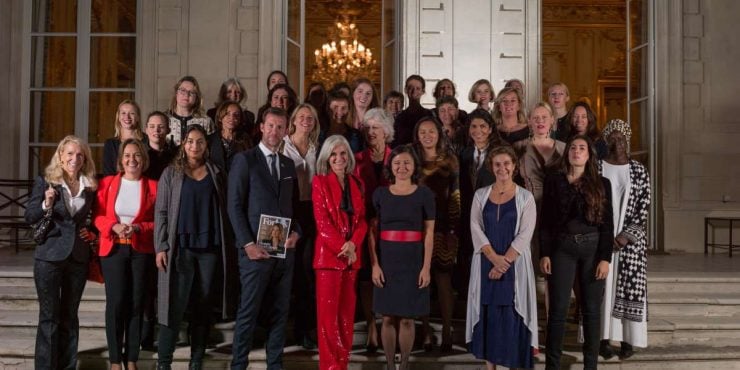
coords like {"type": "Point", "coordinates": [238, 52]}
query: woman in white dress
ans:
{"type": "Point", "coordinates": [624, 311]}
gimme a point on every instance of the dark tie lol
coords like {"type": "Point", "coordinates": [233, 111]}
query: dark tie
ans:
{"type": "Point", "coordinates": [273, 168]}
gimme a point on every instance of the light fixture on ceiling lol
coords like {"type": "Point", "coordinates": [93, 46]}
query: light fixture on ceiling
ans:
{"type": "Point", "coordinates": [343, 58]}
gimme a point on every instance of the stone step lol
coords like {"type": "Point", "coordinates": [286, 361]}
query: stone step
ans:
{"type": "Point", "coordinates": [25, 298]}
{"type": "Point", "coordinates": [692, 304]}
{"type": "Point", "coordinates": [24, 323]}
{"type": "Point", "coordinates": [16, 278]}
{"type": "Point", "coordinates": [17, 353]}
{"type": "Point", "coordinates": [694, 330]}
{"type": "Point", "coordinates": [694, 282]}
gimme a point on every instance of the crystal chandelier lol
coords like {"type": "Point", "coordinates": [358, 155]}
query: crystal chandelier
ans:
{"type": "Point", "coordinates": [343, 58]}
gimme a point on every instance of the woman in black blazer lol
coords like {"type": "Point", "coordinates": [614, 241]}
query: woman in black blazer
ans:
{"type": "Point", "coordinates": [60, 268]}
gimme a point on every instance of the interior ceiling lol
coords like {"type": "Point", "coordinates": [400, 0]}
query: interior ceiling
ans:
{"type": "Point", "coordinates": [327, 11]}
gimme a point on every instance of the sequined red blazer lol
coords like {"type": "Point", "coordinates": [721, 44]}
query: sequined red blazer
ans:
{"type": "Point", "coordinates": [333, 226]}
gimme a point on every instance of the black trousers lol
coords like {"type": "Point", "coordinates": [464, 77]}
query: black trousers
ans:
{"type": "Point", "coordinates": [59, 286]}
{"type": "Point", "coordinates": [192, 283]}
{"type": "Point", "coordinates": [257, 278]}
{"type": "Point", "coordinates": [304, 279]}
{"type": "Point", "coordinates": [125, 272]}
{"type": "Point", "coordinates": [574, 258]}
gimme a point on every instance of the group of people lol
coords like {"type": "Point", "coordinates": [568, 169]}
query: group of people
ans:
{"type": "Point", "coordinates": [381, 205]}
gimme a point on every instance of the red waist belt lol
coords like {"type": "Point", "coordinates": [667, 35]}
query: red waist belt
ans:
{"type": "Point", "coordinates": [400, 236]}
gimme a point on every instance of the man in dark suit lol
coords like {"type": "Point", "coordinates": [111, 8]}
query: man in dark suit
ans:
{"type": "Point", "coordinates": [262, 181]}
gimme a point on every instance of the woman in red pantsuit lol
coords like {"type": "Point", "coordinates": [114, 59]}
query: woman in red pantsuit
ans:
{"type": "Point", "coordinates": [339, 209]}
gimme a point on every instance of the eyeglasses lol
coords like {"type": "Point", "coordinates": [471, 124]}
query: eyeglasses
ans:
{"type": "Point", "coordinates": [188, 93]}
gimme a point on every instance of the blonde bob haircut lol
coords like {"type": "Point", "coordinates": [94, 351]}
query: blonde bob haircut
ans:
{"type": "Point", "coordinates": [483, 81]}
{"type": "Point", "coordinates": [322, 162]}
{"type": "Point", "coordinates": [54, 173]}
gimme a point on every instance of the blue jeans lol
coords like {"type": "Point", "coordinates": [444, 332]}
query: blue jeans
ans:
{"type": "Point", "coordinates": [574, 258]}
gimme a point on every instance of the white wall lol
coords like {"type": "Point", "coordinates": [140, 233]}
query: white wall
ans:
{"type": "Point", "coordinates": [698, 86]}
{"type": "Point", "coordinates": [212, 41]}
{"type": "Point", "coordinates": [466, 40]}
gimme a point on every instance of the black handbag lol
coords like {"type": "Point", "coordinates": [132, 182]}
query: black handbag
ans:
{"type": "Point", "coordinates": [42, 227]}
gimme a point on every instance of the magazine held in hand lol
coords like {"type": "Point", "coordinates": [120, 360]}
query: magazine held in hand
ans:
{"type": "Point", "coordinates": [272, 234]}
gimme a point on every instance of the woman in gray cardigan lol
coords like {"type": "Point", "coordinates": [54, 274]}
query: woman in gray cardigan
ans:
{"type": "Point", "coordinates": [192, 243]}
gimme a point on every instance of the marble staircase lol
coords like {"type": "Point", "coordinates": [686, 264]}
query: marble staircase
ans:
{"type": "Point", "coordinates": [694, 324]}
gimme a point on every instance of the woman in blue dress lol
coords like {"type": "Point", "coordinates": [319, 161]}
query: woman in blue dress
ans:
{"type": "Point", "coordinates": [501, 322]}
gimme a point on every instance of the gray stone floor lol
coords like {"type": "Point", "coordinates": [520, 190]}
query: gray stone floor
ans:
{"type": "Point", "coordinates": [657, 263]}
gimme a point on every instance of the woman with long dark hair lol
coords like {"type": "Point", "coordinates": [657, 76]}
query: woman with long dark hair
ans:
{"type": "Point", "coordinates": [582, 121]}
{"type": "Point", "coordinates": [193, 251]}
{"type": "Point", "coordinates": [439, 172]}
{"type": "Point", "coordinates": [230, 137]}
{"type": "Point", "coordinates": [233, 90]}
{"type": "Point", "coordinates": [576, 241]}
{"type": "Point", "coordinates": [362, 98]}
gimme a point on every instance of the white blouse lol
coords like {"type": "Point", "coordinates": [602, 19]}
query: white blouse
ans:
{"type": "Point", "coordinates": [305, 167]}
{"type": "Point", "coordinates": [73, 202]}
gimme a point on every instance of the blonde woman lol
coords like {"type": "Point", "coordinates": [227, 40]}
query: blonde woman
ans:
{"type": "Point", "coordinates": [301, 145]}
{"type": "Point", "coordinates": [128, 126]}
{"type": "Point", "coordinates": [67, 188]}
{"type": "Point", "coordinates": [509, 115]}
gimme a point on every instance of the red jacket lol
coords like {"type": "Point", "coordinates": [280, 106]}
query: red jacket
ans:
{"type": "Point", "coordinates": [105, 214]}
{"type": "Point", "coordinates": [365, 169]}
{"type": "Point", "coordinates": [333, 225]}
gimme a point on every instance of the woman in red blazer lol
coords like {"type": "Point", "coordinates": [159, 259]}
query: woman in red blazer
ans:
{"type": "Point", "coordinates": [339, 209]}
{"type": "Point", "coordinates": [124, 215]}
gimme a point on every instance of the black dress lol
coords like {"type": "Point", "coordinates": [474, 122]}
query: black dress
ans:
{"type": "Point", "coordinates": [401, 262]}
{"type": "Point", "coordinates": [514, 136]}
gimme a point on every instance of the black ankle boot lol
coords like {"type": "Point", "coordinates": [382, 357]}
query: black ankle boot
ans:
{"type": "Point", "coordinates": [626, 351]}
{"type": "Point", "coordinates": [605, 350]}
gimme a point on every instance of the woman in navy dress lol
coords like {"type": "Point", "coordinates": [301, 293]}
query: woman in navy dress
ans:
{"type": "Point", "coordinates": [501, 323]}
{"type": "Point", "coordinates": [401, 273]}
